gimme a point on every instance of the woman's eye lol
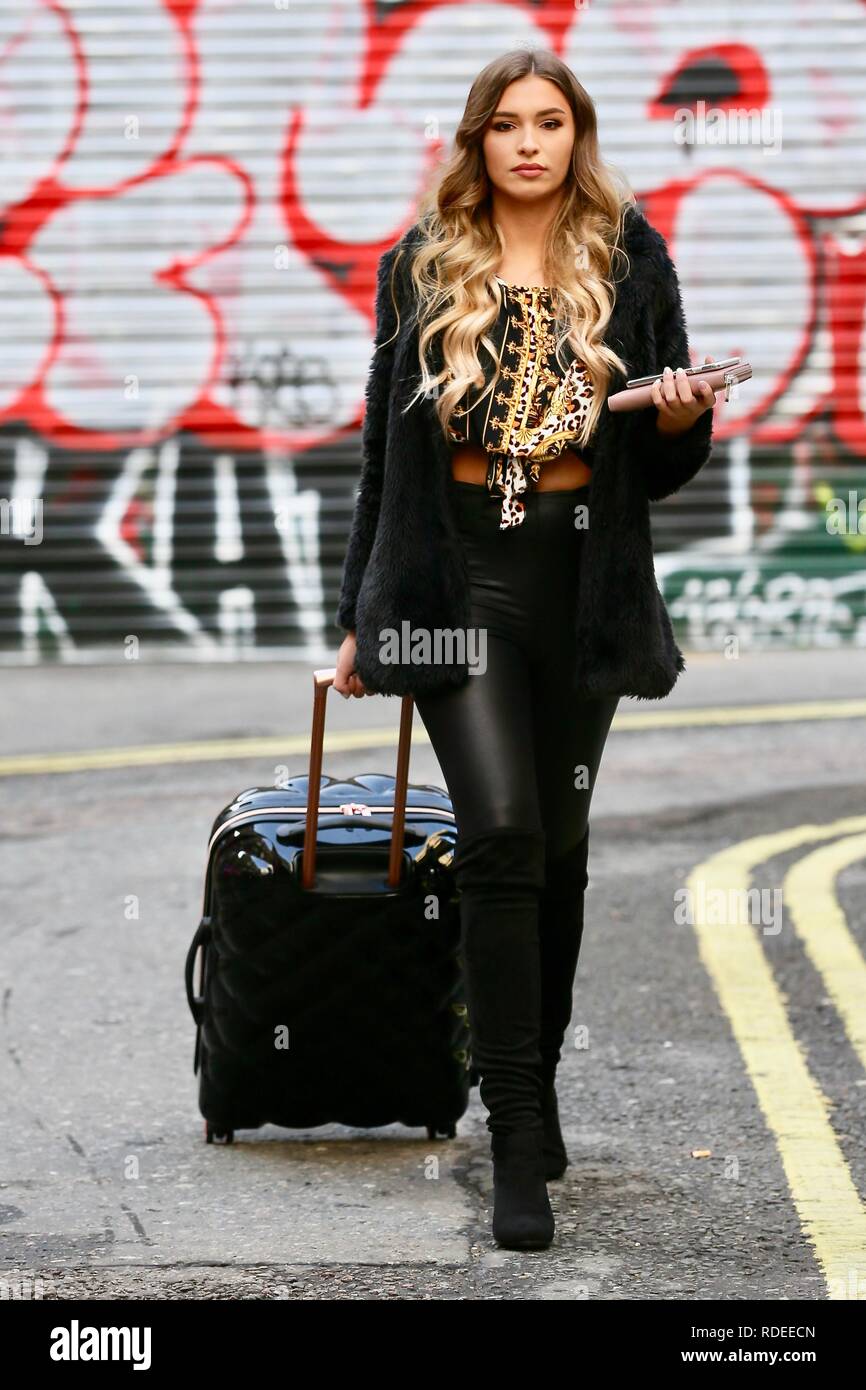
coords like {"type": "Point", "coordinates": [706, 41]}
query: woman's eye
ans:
{"type": "Point", "coordinates": [507, 125]}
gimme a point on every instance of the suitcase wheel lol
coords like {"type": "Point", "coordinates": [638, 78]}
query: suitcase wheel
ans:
{"type": "Point", "coordinates": [445, 1131]}
{"type": "Point", "coordinates": [213, 1134]}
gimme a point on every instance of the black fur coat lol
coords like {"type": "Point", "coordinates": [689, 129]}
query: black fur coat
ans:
{"type": "Point", "coordinates": [404, 563]}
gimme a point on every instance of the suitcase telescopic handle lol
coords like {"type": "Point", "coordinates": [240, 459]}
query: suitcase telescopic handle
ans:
{"type": "Point", "coordinates": [322, 682]}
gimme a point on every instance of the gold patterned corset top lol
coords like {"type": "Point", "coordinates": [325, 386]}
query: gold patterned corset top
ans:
{"type": "Point", "coordinates": [537, 406]}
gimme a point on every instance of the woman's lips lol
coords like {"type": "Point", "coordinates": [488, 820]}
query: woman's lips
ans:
{"type": "Point", "coordinates": [529, 173]}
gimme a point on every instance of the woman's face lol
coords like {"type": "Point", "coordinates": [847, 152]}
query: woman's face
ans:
{"type": "Point", "coordinates": [532, 125]}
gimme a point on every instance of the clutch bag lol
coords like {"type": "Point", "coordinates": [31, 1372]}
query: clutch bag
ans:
{"type": "Point", "coordinates": [720, 375]}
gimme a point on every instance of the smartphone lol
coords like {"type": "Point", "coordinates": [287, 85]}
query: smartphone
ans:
{"type": "Point", "coordinates": [690, 371]}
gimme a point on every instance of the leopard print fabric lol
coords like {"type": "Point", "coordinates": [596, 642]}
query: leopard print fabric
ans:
{"type": "Point", "coordinates": [536, 408]}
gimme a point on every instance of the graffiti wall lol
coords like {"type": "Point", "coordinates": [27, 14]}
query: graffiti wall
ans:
{"type": "Point", "coordinates": [196, 195]}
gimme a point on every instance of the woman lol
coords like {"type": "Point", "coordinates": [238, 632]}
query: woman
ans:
{"type": "Point", "coordinates": [502, 528]}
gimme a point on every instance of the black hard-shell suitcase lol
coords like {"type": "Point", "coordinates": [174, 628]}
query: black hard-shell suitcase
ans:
{"type": "Point", "coordinates": [330, 988]}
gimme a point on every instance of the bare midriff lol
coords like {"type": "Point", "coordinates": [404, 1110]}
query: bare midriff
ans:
{"type": "Point", "coordinates": [469, 465]}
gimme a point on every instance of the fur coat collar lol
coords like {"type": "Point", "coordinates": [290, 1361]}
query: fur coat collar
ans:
{"type": "Point", "coordinates": [404, 569]}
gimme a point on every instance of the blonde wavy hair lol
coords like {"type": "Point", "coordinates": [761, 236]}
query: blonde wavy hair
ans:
{"type": "Point", "coordinates": [453, 267]}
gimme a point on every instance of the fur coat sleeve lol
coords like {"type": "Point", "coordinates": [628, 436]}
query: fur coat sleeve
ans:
{"type": "Point", "coordinates": [668, 462]}
{"type": "Point", "coordinates": [373, 435]}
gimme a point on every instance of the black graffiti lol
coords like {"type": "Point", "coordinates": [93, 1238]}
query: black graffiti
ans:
{"type": "Point", "coordinates": [282, 389]}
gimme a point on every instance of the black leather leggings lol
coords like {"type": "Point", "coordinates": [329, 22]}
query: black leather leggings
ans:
{"type": "Point", "coordinates": [520, 754]}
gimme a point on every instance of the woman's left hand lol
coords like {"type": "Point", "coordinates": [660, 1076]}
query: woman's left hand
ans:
{"type": "Point", "coordinates": [678, 406]}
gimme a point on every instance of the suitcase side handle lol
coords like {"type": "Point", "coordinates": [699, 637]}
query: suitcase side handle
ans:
{"type": "Point", "coordinates": [201, 938]}
{"type": "Point", "coordinates": [197, 1001]}
{"type": "Point", "coordinates": [322, 682]}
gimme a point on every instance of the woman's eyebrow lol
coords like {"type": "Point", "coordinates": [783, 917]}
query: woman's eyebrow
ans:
{"type": "Point", "coordinates": [548, 111]}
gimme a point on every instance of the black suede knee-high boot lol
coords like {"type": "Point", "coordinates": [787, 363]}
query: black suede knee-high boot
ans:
{"type": "Point", "coordinates": [561, 915]}
{"type": "Point", "coordinates": [500, 876]}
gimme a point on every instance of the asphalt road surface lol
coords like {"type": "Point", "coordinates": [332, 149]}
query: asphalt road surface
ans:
{"type": "Point", "coordinates": [715, 1111]}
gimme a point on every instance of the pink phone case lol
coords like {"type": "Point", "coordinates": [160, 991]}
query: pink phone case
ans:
{"type": "Point", "coordinates": [636, 397]}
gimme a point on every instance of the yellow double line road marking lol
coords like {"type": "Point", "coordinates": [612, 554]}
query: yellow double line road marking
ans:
{"type": "Point", "coordinates": [795, 1108]}
{"type": "Point", "coordinates": [282, 746]}
{"type": "Point", "coordinates": [820, 923]}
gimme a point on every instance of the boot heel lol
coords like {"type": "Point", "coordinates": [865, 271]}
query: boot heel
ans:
{"type": "Point", "coordinates": [522, 1216]}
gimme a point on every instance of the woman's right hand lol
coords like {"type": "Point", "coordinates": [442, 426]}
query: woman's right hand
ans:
{"type": "Point", "coordinates": [347, 681]}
